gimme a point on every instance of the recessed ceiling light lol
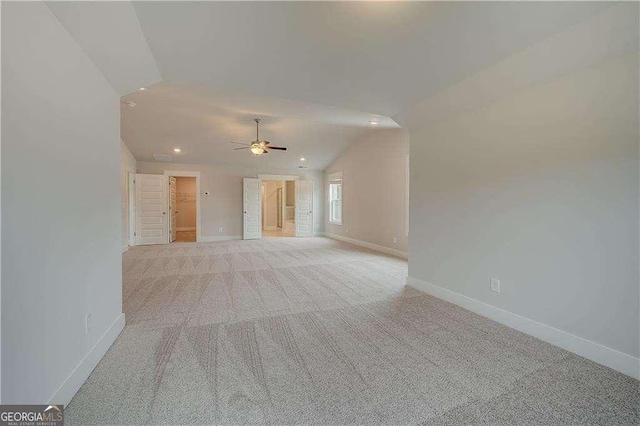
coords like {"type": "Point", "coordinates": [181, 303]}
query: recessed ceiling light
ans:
{"type": "Point", "coordinates": [143, 88]}
{"type": "Point", "coordinates": [177, 150]}
{"type": "Point", "coordinates": [373, 122]}
{"type": "Point", "coordinates": [302, 159]}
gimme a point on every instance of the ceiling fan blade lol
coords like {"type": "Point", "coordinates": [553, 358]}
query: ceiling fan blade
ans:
{"type": "Point", "coordinates": [244, 147]}
{"type": "Point", "coordinates": [276, 147]}
{"type": "Point", "coordinates": [240, 143]}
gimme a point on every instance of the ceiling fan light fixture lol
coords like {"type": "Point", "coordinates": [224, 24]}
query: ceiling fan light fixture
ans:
{"type": "Point", "coordinates": [259, 147]}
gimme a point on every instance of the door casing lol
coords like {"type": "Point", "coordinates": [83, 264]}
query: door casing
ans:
{"type": "Point", "coordinates": [172, 208]}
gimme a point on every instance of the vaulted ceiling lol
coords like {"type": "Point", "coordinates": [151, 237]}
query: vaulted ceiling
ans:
{"type": "Point", "coordinates": [316, 72]}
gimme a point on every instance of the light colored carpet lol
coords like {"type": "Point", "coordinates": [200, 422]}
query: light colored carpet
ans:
{"type": "Point", "coordinates": [314, 331]}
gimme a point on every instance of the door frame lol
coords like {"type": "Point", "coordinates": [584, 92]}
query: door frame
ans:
{"type": "Point", "coordinates": [277, 177]}
{"type": "Point", "coordinates": [131, 194]}
{"type": "Point", "coordinates": [195, 174]}
{"type": "Point", "coordinates": [263, 192]}
{"type": "Point", "coordinates": [173, 196]}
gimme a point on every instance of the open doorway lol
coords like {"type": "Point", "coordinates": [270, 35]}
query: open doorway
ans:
{"type": "Point", "coordinates": [278, 208]}
{"type": "Point", "coordinates": [183, 210]}
{"type": "Point", "coordinates": [268, 213]}
{"type": "Point", "coordinates": [277, 214]}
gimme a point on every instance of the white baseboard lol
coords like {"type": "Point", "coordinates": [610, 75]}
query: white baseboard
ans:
{"type": "Point", "coordinates": [221, 238]}
{"type": "Point", "coordinates": [125, 248]}
{"type": "Point", "coordinates": [185, 228]}
{"type": "Point", "coordinates": [376, 247]}
{"type": "Point", "coordinates": [81, 373]}
{"type": "Point", "coordinates": [596, 352]}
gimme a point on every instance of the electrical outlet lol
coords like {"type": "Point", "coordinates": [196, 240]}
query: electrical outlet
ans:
{"type": "Point", "coordinates": [346, 230]}
{"type": "Point", "coordinates": [495, 285]}
{"type": "Point", "coordinates": [220, 230]}
{"type": "Point", "coordinates": [88, 326]}
{"type": "Point", "coordinates": [395, 240]}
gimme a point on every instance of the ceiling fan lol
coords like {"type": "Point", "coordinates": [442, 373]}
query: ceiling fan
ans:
{"type": "Point", "coordinates": [258, 147]}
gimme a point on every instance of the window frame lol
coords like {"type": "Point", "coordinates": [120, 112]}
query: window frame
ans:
{"type": "Point", "coordinates": [333, 179]}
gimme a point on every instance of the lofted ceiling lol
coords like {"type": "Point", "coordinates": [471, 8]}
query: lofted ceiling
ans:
{"type": "Point", "coordinates": [316, 72]}
{"type": "Point", "coordinates": [380, 57]}
{"type": "Point", "coordinates": [202, 123]}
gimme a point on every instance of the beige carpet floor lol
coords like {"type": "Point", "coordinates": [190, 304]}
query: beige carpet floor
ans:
{"type": "Point", "coordinates": [288, 331]}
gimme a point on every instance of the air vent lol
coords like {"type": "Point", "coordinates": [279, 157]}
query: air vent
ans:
{"type": "Point", "coordinates": [303, 167]}
{"type": "Point", "coordinates": [161, 157]}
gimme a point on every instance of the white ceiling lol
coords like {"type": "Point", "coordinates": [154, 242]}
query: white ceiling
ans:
{"type": "Point", "coordinates": [317, 72]}
{"type": "Point", "coordinates": [605, 36]}
{"type": "Point", "coordinates": [120, 51]}
{"type": "Point", "coordinates": [380, 57]}
{"type": "Point", "coordinates": [203, 123]}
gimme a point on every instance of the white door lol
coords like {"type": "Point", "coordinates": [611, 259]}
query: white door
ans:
{"type": "Point", "coordinates": [304, 208]}
{"type": "Point", "coordinates": [152, 222]}
{"type": "Point", "coordinates": [172, 208]}
{"type": "Point", "coordinates": [252, 204]}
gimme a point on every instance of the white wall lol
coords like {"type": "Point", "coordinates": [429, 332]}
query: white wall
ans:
{"type": "Point", "coordinates": [61, 208]}
{"type": "Point", "coordinates": [373, 189]}
{"type": "Point", "coordinates": [127, 165]}
{"type": "Point", "coordinates": [0, 232]}
{"type": "Point", "coordinates": [223, 206]}
{"type": "Point", "coordinates": [540, 189]}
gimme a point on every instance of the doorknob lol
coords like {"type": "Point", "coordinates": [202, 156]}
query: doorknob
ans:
{"type": "Point", "coordinates": [164, 212]}
{"type": "Point", "coordinates": [245, 212]}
